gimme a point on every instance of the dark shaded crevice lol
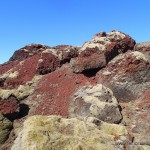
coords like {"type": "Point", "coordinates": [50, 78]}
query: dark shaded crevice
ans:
{"type": "Point", "coordinates": [23, 111]}
{"type": "Point", "coordinates": [2, 81]}
{"type": "Point", "coordinates": [91, 73]}
{"type": "Point", "coordinates": [65, 61]}
{"type": "Point", "coordinates": [12, 116]}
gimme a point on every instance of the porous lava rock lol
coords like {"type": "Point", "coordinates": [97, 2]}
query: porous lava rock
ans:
{"type": "Point", "coordinates": [54, 91]}
{"type": "Point", "coordinates": [127, 75]}
{"type": "Point", "coordinates": [88, 62]}
{"type": "Point", "coordinates": [9, 106]}
{"type": "Point", "coordinates": [105, 81]}
{"type": "Point", "coordinates": [95, 101]}
{"type": "Point", "coordinates": [28, 51]}
{"type": "Point", "coordinates": [101, 49]}
{"type": "Point", "coordinates": [47, 63]}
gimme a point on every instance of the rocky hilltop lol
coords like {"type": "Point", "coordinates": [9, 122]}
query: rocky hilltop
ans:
{"type": "Point", "coordinates": [93, 97]}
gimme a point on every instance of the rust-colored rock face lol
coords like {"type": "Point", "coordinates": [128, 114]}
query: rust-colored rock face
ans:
{"type": "Point", "coordinates": [47, 63]}
{"type": "Point", "coordinates": [9, 106]}
{"type": "Point", "coordinates": [28, 51]}
{"type": "Point", "coordinates": [55, 91]}
{"type": "Point", "coordinates": [100, 50]}
{"type": "Point", "coordinates": [106, 80]}
{"type": "Point", "coordinates": [126, 74]}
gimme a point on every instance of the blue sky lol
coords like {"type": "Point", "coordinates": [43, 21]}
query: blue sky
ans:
{"type": "Point", "coordinates": [72, 22]}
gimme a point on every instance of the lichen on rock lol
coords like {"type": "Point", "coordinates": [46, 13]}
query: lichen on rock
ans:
{"type": "Point", "coordinates": [55, 132]}
{"type": "Point", "coordinates": [97, 101]}
{"type": "Point", "coordinates": [5, 128]}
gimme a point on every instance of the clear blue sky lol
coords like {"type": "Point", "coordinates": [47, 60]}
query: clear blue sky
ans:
{"type": "Point", "coordinates": [72, 22]}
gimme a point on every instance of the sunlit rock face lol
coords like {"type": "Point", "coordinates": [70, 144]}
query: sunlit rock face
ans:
{"type": "Point", "coordinates": [96, 101]}
{"type": "Point", "coordinates": [128, 75]}
{"type": "Point", "coordinates": [55, 132]}
{"type": "Point", "coordinates": [70, 97]}
{"type": "Point", "coordinates": [101, 49]}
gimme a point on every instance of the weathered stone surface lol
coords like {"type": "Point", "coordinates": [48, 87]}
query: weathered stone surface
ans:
{"type": "Point", "coordinates": [96, 101]}
{"type": "Point", "coordinates": [69, 86]}
{"type": "Point", "coordinates": [54, 91]}
{"type": "Point", "coordinates": [9, 106]}
{"type": "Point", "coordinates": [100, 50]}
{"type": "Point", "coordinates": [5, 128]}
{"type": "Point", "coordinates": [28, 51]}
{"type": "Point", "coordinates": [93, 61]}
{"type": "Point", "coordinates": [65, 52]}
{"type": "Point", "coordinates": [137, 118]}
{"type": "Point", "coordinates": [54, 132]}
{"type": "Point", "coordinates": [143, 46]}
{"type": "Point", "coordinates": [22, 91]}
{"type": "Point", "coordinates": [47, 63]}
{"type": "Point", "coordinates": [115, 48]}
{"type": "Point", "coordinates": [126, 74]}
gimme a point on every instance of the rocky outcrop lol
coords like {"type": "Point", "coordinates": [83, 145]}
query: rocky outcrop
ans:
{"type": "Point", "coordinates": [54, 132]}
{"type": "Point", "coordinates": [55, 90]}
{"type": "Point", "coordinates": [85, 62]}
{"type": "Point", "coordinates": [5, 129]}
{"type": "Point", "coordinates": [28, 51]}
{"type": "Point", "coordinates": [9, 106]}
{"type": "Point", "coordinates": [105, 81]}
{"type": "Point", "coordinates": [100, 50]}
{"type": "Point", "coordinates": [95, 101]}
{"type": "Point", "coordinates": [47, 63]}
{"type": "Point", "coordinates": [126, 74]}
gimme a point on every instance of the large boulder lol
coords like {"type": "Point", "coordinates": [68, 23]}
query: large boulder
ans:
{"type": "Point", "coordinates": [28, 51]}
{"type": "Point", "coordinates": [127, 75]}
{"type": "Point", "coordinates": [96, 101]}
{"type": "Point", "coordinates": [85, 62]}
{"type": "Point", "coordinates": [9, 106]}
{"type": "Point", "coordinates": [55, 132]}
{"type": "Point", "coordinates": [5, 128]}
{"type": "Point", "coordinates": [100, 50]}
{"type": "Point", "coordinates": [47, 63]}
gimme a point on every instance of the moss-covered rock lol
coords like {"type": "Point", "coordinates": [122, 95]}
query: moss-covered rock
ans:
{"type": "Point", "coordinates": [56, 133]}
{"type": "Point", "coordinates": [5, 128]}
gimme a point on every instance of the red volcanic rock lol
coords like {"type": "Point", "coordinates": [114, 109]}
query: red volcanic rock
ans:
{"type": "Point", "coordinates": [66, 52]}
{"type": "Point", "coordinates": [26, 70]}
{"type": "Point", "coordinates": [47, 63]}
{"type": "Point", "coordinates": [7, 66]}
{"type": "Point", "coordinates": [9, 106]}
{"type": "Point", "coordinates": [43, 61]}
{"type": "Point", "coordinates": [118, 47]}
{"type": "Point", "coordinates": [85, 62]}
{"type": "Point", "coordinates": [55, 91]}
{"type": "Point", "coordinates": [101, 49]}
{"type": "Point", "coordinates": [127, 75]}
{"type": "Point", "coordinates": [61, 83]}
{"type": "Point", "coordinates": [28, 51]}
